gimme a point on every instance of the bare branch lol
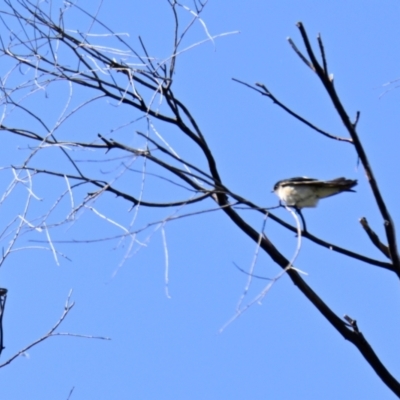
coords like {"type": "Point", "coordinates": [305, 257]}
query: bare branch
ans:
{"type": "Point", "coordinates": [67, 308]}
{"type": "Point", "coordinates": [266, 92]}
{"type": "Point", "coordinates": [374, 238]}
{"type": "Point", "coordinates": [322, 51]}
{"type": "Point", "coordinates": [300, 54]}
{"type": "Point", "coordinates": [329, 86]}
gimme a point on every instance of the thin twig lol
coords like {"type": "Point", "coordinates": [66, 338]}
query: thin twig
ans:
{"type": "Point", "coordinates": [374, 238]}
{"type": "Point", "coordinates": [266, 92]}
{"type": "Point", "coordinates": [67, 308]}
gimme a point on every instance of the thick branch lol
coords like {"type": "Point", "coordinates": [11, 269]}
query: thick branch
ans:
{"type": "Point", "coordinates": [354, 337]}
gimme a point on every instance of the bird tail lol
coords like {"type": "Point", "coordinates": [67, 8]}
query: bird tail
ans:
{"type": "Point", "coordinates": [346, 185]}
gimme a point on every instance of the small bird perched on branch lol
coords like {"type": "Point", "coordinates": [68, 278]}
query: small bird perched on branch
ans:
{"type": "Point", "coordinates": [303, 192]}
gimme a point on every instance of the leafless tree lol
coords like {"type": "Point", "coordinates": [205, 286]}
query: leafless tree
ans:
{"type": "Point", "coordinates": [44, 55]}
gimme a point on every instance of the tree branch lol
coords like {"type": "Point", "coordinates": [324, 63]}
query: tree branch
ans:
{"type": "Point", "coordinates": [329, 86]}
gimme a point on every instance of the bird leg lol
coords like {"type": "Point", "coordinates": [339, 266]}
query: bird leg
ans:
{"type": "Point", "coordinates": [298, 210]}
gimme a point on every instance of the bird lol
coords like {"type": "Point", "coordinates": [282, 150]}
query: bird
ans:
{"type": "Point", "coordinates": [301, 192]}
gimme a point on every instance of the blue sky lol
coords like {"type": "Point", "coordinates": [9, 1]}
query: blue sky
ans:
{"type": "Point", "coordinates": [171, 348]}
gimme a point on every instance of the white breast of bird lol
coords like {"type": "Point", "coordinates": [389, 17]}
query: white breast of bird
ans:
{"type": "Point", "coordinates": [298, 196]}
